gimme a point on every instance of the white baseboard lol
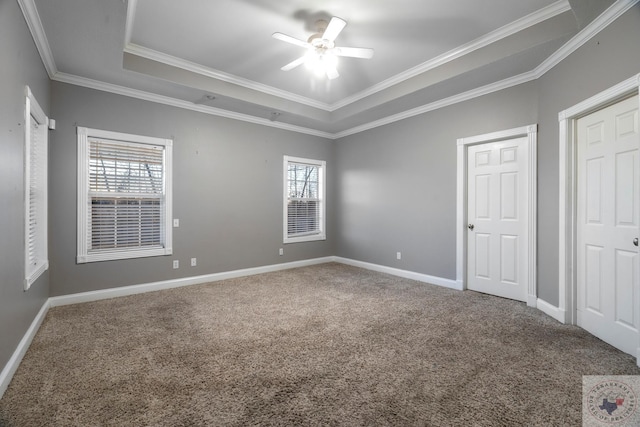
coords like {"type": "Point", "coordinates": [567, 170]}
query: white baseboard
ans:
{"type": "Point", "coordinates": [447, 283]}
{"type": "Point", "coordinates": [196, 280]}
{"type": "Point", "coordinates": [9, 370]}
{"type": "Point", "coordinates": [176, 283]}
{"type": "Point", "coordinates": [551, 310]}
{"type": "Point", "coordinates": [12, 365]}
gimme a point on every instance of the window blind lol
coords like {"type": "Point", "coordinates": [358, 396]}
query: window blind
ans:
{"type": "Point", "coordinates": [36, 259]}
{"type": "Point", "coordinates": [36, 215]}
{"type": "Point", "coordinates": [126, 189]}
{"type": "Point", "coordinates": [303, 208]}
{"type": "Point", "coordinates": [33, 195]}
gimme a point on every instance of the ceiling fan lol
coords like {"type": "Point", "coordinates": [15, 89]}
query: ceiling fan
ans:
{"type": "Point", "coordinates": [322, 53]}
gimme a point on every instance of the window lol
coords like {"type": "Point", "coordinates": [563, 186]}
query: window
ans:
{"type": "Point", "coordinates": [304, 205]}
{"type": "Point", "coordinates": [35, 190]}
{"type": "Point", "coordinates": [124, 196]}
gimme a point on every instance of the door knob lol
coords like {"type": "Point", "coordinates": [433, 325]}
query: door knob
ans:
{"type": "Point", "coordinates": [635, 241]}
{"type": "Point", "coordinates": [471, 226]}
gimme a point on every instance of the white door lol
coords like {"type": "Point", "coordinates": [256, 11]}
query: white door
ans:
{"type": "Point", "coordinates": [607, 223]}
{"type": "Point", "coordinates": [497, 215]}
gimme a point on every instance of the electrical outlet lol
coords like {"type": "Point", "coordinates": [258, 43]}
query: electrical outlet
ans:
{"type": "Point", "coordinates": [193, 262]}
{"type": "Point", "coordinates": [176, 263]}
{"type": "Point", "coordinates": [176, 222]}
{"type": "Point", "coordinates": [398, 255]}
{"type": "Point", "coordinates": [281, 251]}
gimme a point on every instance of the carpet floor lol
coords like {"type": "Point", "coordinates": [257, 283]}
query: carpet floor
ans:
{"type": "Point", "coordinates": [316, 346]}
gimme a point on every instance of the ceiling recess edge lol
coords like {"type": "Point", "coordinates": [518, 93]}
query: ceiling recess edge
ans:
{"type": "Point", "coordinates": [617, 9]}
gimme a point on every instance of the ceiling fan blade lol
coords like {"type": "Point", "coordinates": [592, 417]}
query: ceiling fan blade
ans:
{"type": "Point", "coordinates": [354, 52]}
{"type": "Point", "coordinates": [332, 73]}
{"type": "Point", "coordinates": [289, 39]}
{"type": "Point", "coordinates": [333, 29]}
{"type": "Point", "coordinates": [293, 64]}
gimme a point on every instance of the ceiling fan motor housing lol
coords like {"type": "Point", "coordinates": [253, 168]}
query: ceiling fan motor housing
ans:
{"type": "Point", "coordinates": [318, 42]}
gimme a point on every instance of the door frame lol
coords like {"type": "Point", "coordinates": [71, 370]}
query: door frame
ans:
{"type": "Point", "coordinates": [531, 132]}
{"type": "Point", "coordinates": [567, 225]}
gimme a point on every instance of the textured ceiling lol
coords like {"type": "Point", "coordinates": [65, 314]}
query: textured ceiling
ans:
{"type": "Point", "coordinates": [219, 56]}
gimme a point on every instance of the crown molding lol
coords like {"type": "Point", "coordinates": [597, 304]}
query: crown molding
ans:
{"type": "Point", "coordinates": [219, 75]}
{"type": "Point", "coordinates": [166, 100]}
{"type": "Point", "coordinates": [465, 96]}
{"type": "Point", "coordinates": [160, 99]}
{"type": "Point", "coordinates": [34, 23]}
{"type": "Point", "coordinates": [614, 11]}
{"type": "Point", "coordinates": [534, 18]}
{"type": "Point", "coordinates": [30, 12]}
{"type": "Point", "coordinates": [173, 61]}
{"type": "Point", "coordinates": [128, 26]}
{"type": "Point", "coordinates": [512, 28]}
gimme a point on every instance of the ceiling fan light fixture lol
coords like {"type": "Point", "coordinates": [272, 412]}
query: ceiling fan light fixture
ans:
{"type": "Point", "coordinates": [322, 53]}
{"type": "Point", "coordinates": [321, 61]}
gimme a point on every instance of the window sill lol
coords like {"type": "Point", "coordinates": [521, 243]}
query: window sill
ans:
{"type": "Point", "coordinates": [30, 280]}
{"type": "Point", "coordinates": [308, 238]}
{"type": "Point", "coordinates": [116, 255]}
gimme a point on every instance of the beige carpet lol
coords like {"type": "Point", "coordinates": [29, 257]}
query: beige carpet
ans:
{"type": "Point", "coordinates": [321, 345]}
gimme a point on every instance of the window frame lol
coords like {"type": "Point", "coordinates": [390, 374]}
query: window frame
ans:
{"type": "Point", "coordinates": [38, 240]}
{"type": "Point", "coordinates": [84, 254]}
{"type": "Point", "coordinates": [321, 233]}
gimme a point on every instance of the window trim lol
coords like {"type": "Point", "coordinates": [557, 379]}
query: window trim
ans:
{"type": "Point", "coordinates": [321, 234]}
{"type": "Point", "coordinates": [83, 254]}
{"type": "Point", "coordinates": [33, 111]}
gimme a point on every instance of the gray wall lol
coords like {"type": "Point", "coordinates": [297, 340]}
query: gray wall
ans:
{"type": "Point", "coordinates": [20, 65]}
{"type": "Point", "coordinates": [397, 188]}
{"type": "Point", "coordinates": [227, 190]}
{"type": "Point", "coordinates": [398, 182]}
{"type": "Point", "coordinates": [610, 57]}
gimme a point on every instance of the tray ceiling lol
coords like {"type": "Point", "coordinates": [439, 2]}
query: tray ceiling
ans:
{"type": "Point", "coordinates": [219, 57]}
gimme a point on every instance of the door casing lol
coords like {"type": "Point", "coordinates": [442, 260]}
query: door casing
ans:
{"type": "Point", "coordinates": [567, 230]}
{"type": "Point", "coordinates": [531, 132]}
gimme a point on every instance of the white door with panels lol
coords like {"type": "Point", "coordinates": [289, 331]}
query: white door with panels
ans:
{"type": "Point", "coordinates": [497, 216]}
{"type": "Point", "coordinates": [608, 220]}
